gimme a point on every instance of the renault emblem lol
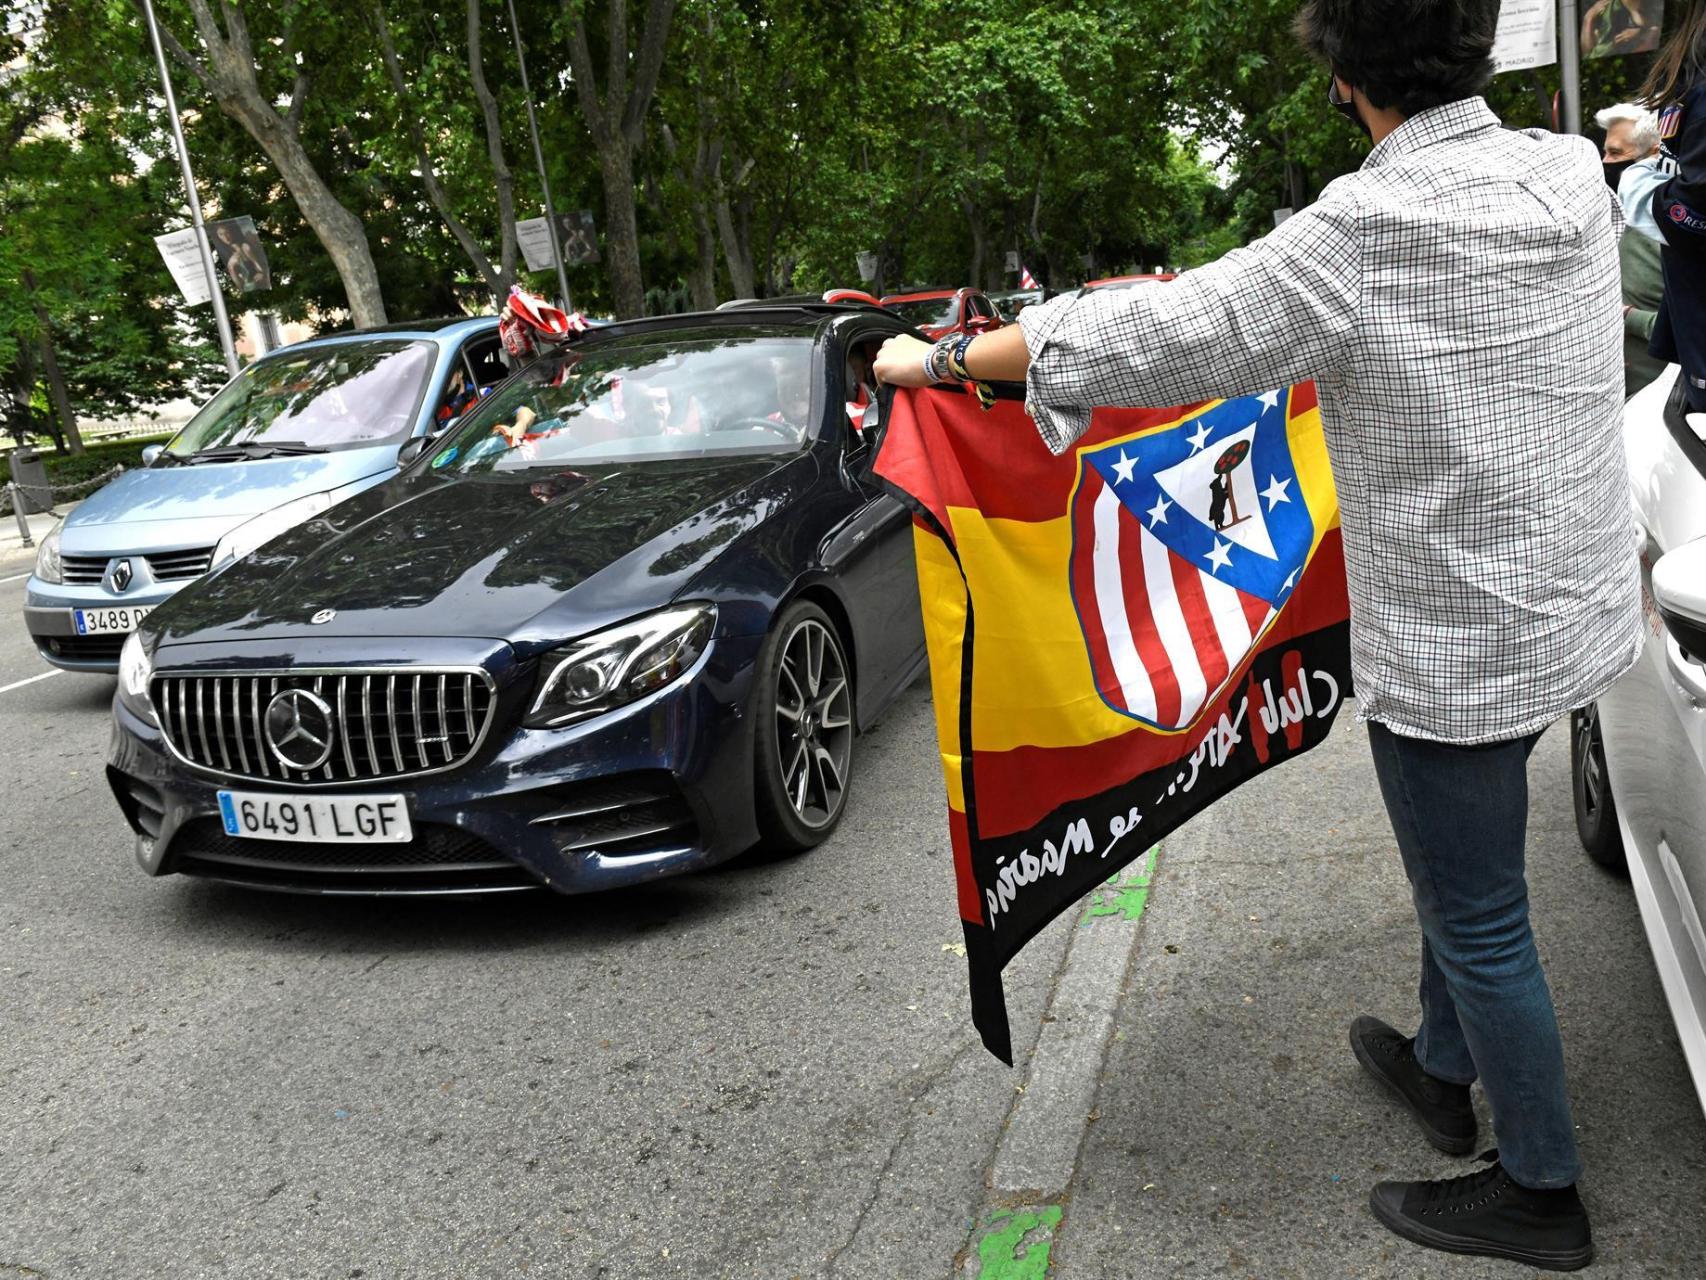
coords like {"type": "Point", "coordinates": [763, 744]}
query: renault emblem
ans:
{"type": "Point", "coordinates": [298, 728]}
{"type": "Point", "coordinates": [122, 574]}
{"type": "Point", "coordinates": [324, 615]}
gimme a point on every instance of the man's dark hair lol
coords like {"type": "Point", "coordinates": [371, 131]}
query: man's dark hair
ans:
{"type": "Point", "coordinates": [1406, 55]}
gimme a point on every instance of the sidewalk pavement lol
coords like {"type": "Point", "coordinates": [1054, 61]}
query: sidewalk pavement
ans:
{"type": "Point", "coordinates": [15, 557]}
{"type": "Point", "coordinates": [1234, 1134]}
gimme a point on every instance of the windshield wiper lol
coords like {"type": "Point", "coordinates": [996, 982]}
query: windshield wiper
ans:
{"type": "Point", "coordinates": [251, 449]}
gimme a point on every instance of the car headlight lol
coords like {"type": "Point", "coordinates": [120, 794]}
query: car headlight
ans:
{"type": "Point", "coordinates": [135, 670]}
{"type": "Point", "coordinates": [615, 667]}
{"type": "Point", "coordinates": [254, 534]}
{"type": "Point", "coordinates": [48, 568]}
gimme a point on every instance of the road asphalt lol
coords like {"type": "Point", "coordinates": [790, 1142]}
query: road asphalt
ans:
{"type": "Point", "coordinates": [768, 1070]}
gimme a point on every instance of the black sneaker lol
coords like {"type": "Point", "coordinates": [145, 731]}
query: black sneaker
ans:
{"type": "Point", "coordinates": [1442, 1109]}
{"type": "Point", "coordinates": [1486, 1213]}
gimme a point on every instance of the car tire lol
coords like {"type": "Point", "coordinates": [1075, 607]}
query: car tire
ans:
{"type": "Point", "coordinates": [1590, 786]}
{"type": "Point", "coordinates": [803, 740]}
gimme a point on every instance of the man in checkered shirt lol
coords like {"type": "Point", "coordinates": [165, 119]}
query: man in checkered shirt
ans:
{"type": "Point", "coordinates": [1457, 301]}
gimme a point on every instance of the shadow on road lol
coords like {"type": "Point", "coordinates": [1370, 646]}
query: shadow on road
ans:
{"type": "Point", "coordinates": [198, 914]}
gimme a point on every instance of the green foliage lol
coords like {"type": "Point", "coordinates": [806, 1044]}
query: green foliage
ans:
{"type": "Point", "coordinates": [79, 270]}
{"type": "Point", "coordinates": [784, 139]}
{"type": "Point", "coordinates": [68, 469]}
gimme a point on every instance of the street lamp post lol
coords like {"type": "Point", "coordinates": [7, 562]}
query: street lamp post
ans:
{"type": "Point", "coordinates": [539, 159]}
{"type": "Point", "coordinates": [1570, 66]}
{"type": "Point", "coordinates": [221, 318]}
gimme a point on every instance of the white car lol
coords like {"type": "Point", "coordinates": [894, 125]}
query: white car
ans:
{"type": "Point", "coordinates": [1639, 755]}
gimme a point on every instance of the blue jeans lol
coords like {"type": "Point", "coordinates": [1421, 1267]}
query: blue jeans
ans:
{"type": "Point", "coordinates": [1461, 816]}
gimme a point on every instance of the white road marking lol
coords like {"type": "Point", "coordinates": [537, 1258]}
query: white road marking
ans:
{"type": "Point", "coordinates": [16, 577]}
{"type": "Point", "coordinates": [19, 684]}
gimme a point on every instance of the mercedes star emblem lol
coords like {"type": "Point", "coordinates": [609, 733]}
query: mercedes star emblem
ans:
{"type": "Point", "coordinates": [298, 727]}
{"type": "Point", "coordinates": [325, 615]}
{"type": "Point", "coordinates": [122, 575]}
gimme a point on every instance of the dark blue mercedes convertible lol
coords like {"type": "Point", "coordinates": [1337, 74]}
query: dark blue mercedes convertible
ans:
{"type": "Point", "coordinates": [623, 621]}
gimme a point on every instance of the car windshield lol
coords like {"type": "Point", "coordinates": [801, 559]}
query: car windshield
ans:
{"type": "Point", "coordinates": [681, 398]}
{"type": "Point", "coordinates": [336, 396]}
{"type": "Point", "coordinates": [925, 311]}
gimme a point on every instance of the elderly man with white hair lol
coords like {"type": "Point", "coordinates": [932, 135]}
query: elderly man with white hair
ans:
{"type": "Point", "coordinates": [1632, 168]}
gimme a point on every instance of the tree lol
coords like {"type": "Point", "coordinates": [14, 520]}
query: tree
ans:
{"type": "Point", "coordinates": [499, 274]}
{"type": "Point", "coordinates": [82, 333]}
{"type": "Point", "coordinates": [616, 118]}
{"type": "Point", "coordinates": [228, 71]}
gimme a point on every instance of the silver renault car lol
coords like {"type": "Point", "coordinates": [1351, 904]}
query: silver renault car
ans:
{"type": "Point", "coordinates": [1639, 755]}
{"type": "Point", "coordinates": [296, 431]}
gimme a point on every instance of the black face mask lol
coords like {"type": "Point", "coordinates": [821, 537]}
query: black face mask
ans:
{"type": "Point", "coordinates": [1614, 171]}
{"type": "Point", "coordinates": [1346, 107]}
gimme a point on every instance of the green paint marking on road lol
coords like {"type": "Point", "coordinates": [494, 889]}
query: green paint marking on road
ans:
{"type": "Point", "coordinates": [1016, 1245]}
{"type": "Point", "coordinates": [1125, 893]}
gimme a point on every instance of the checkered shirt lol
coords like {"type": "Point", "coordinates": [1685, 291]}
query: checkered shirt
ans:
{"type": "Point", "coordinates": [1457, 302]}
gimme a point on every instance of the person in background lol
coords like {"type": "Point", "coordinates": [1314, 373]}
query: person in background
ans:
{"type": "Point", "coordinates": [1632, 168]}
{"type": "Point", "coordinates": [1676, 89]}
{"type": "Point", "coordinates": [1456, 302]}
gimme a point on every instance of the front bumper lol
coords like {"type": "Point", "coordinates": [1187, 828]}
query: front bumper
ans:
{"type": "Point", "coordinates": [651, 790]}
{"type": "Point", "coordinates": [48, 619]}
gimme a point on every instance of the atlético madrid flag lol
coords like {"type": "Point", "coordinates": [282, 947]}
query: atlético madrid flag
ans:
{"type": "Point", "coordinates": [1118, 636]}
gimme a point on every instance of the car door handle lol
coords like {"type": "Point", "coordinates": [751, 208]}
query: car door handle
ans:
{"type": "Point", "coordinates": [1686, 672]}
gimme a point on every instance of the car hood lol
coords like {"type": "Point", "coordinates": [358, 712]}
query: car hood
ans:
{"type": "Point", "coordinates": [228, 491]}
{"type": "Point", "coordinates": [532, 560]}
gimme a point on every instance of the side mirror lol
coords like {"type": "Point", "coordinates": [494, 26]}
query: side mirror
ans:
{"type": "Point", "coordinates": [151, 452]}
{"type": "Point", "coordinates": [412, 449]}
{"type": "Point", "coordinates": [980, 324]}
{"type": "Point", "coordinates": [1679, 586]}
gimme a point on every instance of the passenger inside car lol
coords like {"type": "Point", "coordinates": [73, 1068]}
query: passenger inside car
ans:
{"type": "Point", "coordinates": [861, 391]}
{"type": "Point", "coordinates": [458, 395]}
{"type": "Point", "coordinates": [793, 393]}
{"type": "Point", "coordinates": [684, 399]}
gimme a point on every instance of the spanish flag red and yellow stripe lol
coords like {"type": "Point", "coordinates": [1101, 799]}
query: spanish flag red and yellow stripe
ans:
{"type": "Point", "coordinates": [1117, 635]}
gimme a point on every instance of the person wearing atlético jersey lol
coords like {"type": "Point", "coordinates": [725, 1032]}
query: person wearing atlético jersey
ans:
{"type": "Point", "coordinates": [1676, 89]}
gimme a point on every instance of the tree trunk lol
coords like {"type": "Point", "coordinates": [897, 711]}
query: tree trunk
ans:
{"type": "Point", "coordinates": [503, 177]}
{"type": "Point", "coordinates": [703, 278]}
{"type": "Point", "coordinates": [56, 389]}
{"type": "Point", "coordinates": [979, 240]}
{"type": "Point", "coordinates": [617, 121]}
{"type": "Point", "coordinates": [495, 284]}
{"type": "Point", "coordinates": [622, 230]}
{"type": "Point", "coordinates": [57, 393]}
{"type": "Point", "coordinates": [736, 254]}
{"type": "Point", "coordinates": [230, 76]}
{"type": "Point", "coordinates": [339, 230]}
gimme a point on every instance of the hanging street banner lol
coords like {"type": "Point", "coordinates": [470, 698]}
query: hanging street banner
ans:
{"type": "Point", "coordinates": [183, 260]}
{"type": "Point", "coordinates": [1613, 27]}
{"type": "Point", "coordinates": [578, 241]}
{"type": "Point", "coordinates": [237, 246]}
{"type": "Point", "coordinates": [1118, 636]}
{"type": "Point", "coordinates": [1527, 35]}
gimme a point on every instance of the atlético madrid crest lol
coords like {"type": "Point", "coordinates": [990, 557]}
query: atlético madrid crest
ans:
{"type": "Point", "coordinates": [1186, 541]}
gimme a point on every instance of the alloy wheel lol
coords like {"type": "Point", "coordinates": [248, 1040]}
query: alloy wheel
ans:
{"type": "Point", "coordinates": [1591, 779]}
{"type": "Point", "coordinates": [814, 723]}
